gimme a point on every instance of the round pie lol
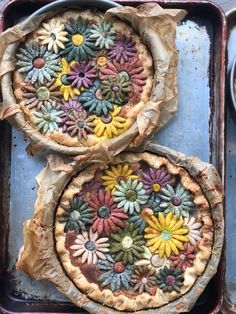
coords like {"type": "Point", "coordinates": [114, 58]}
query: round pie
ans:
{"type": "Point", "coordinates": [82, 79]}
{"type": "Point", "coordinates": [134, 236]}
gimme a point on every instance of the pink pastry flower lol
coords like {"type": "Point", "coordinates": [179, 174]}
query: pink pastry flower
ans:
{"type": "Point", "coordinates": [82, 75]}
{"type": "Point", "coordinates": [89, 247]}
{"type": "Point", "coordinates": [185, 258]}
{"type": "Point", "coordinates": [194, 234]}
{"type": "Point", "coordinates": [107, 215]}
{"type": "Point", "coordinates": [123, 49]}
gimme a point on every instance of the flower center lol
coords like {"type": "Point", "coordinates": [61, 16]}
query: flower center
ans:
{"type": "Point", "coordinates": [81, 74]}
{"type": "Point", "coordinates": [131, 195]}
{"type": "Point", "coordinates": [81, 124]}
{"type": "Point", "coordinates": [48, 117]}
{"type": "Point", "coordinates": [127, 242]}
{"type": "Point", "coordinates": [53, 36]}
{"type": "Point", "coordinates": [157, 261]}
{"type": "Point", "coordinates": [170, 280]}
{"type": "Point", "coordinates": [75, 215]}
{"type": "Point", "coordinates": [182, 257]}
{"type": "Point", "coordinates": [166, 235]}
{"type": "Point", "coordinates": [121, 49]}
{"type": "Point", "coordinates": [38, 63]}
{"type": "Point", "coordinates": [77, 40]}
{"type": "Point", "coordinates": [102, 61]}
{"type": "Point", "coordinates": [90, 246]}
{"type": "Point", "coordinates": [176, 201]}
{"type": "Point", "coordinates": [64, 80]}
{"type": "Point", "coordinates": [42, 93]}
{"type": "Point", "coordinates": [144, 280]}
{"type": "Point", "coordinates": [106, 119]}
{"type": "Point", "coordinates": [104, 212]}
{"type": "Point", "coordinates": [118, 267]}
{"type": "Point", "coordinates": [156, 187]}
{"type": "Point", "coordinates": [98, 94]}
{"type": "Point", "coordinates": [115, 88]}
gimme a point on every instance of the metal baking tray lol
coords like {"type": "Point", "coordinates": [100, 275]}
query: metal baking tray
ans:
{"type": "Point", "coordinates": [197, 129]}
{"type": "Point", "coordinates": [229, 304]}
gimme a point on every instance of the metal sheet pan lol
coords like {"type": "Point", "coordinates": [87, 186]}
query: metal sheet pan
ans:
{"type": "Point", "coordinates": [229, 305]}
{"type": "Point", "coordinates": [197, 129]}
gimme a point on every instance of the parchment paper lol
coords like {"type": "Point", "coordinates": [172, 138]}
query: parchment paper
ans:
{"type": "Point", "coordinates": [39, 260]}
{"type": "Point", "coordinates": [157, 29]}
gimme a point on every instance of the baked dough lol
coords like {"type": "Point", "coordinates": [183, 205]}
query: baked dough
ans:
{"type": "Point", "coordinates": [134, 236]}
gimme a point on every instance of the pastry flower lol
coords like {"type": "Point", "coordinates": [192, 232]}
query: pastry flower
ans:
{"type": "Point", "coordinates": [130, 195]}
{"type": "Point", "coordinates": [82, 74]}
{"type": "Point", "coordinates": [111, 125]}
{"type": "Point", "coordinates": [114, 174]}
{"type": "Point", "coordinates": [185, 258]}
{"type": "Point", "coordinates": [194, 234]}
{"type": "Point", "coordinates": [53, 35]}
{"type": "Point", "coordinates": [165, 234]}
{"type": "Point", "coordinates": [123, 49]}
{"type": "Point", "coordinates": [69, 107]}
{"type": "Point", "coordinates": [170, 279]}
{"type": "Point", "coordinates": [127, 244]}
{"type": "Point", "coordinates": [143, 279]}
{"type": "Point", "coordinates": [103, 35]}
{"type": "Point", "coordinates": [37, 63]}
{"type": "Point", "coordinates": [155, 179]}
{"type": "Point", "coordinates": [89, 247]}
{"type": "Point", "coordinates": [107, 216]}
{"type": "Point", "coordinates": [178, 200]}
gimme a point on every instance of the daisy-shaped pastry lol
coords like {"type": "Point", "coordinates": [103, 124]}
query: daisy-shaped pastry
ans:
{"type": "Point", "coordinates": [94, 102]}
{"type": "Point", "coordinates": [69, 107]}
{"type": "Point", "coordinates": [165, 234]}
{"type": "Point", "coordinates": [155, 179]}
{"type": "Point", "coordinates": [116, 89]}
{"type": "Point", "coordinates": [49, 118]}
{"type": "Point", "coordinates": [53, 35]}
{"type": "Point", "coordinates": [194, 234]}
{"type": "Point", "coordinates": [139, 220]}
{"type": "Point", "coordinates": [107, 216]}
{"type": "Point", "coordinates": [79, 124]}
{"type": "Point", "coordinates": [82, 74]}
{"type": "Point", "coordinates": [123, 49]}
{"type": "Point", "coordinates": [115, 174]}
{"type": "Point", "coordinates": [77, 215]}
{"type": "Point", "coordinates": [178, 201]}
{"type": "Point", "coordinates": [143, 279]}
{"type": "Point", "coordinates": [185, 258]}
{"type": "Point", "coordinates": [89, 189]}
{"type": "Point", "coordinates": [38, 95]}
{"type": "Point", "coordinates": [170, 279]}
{"type": "Point", "coordinates": [80, 45]}
{"type": "Point", "coordinates": [37, 63]}
{"type": "Point", "coordinates": [154, 202]}
{"type": "Point", "coordinates": [130, 195]}
{"type": "Point", "coordinates": [111, 125]}
{"type": "Point", "coordinates": [103, 35]}
{"type": "Point", "coordinates": [89, 247]}
{"type": "Point", "coordinates": [150, 260]}
{"type": "Point", "coordinates": [114, 274]}
{"type": "Point", "coordinates": [64, 83]}
{"type": "Point", "coordinates": [127, 244]}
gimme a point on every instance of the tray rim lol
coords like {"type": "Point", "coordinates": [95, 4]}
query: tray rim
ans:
{"type": "Point", "coordinates": [221, 92]}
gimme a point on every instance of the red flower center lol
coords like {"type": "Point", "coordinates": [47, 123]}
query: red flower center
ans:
{"type": "Point", "coordinates": [119, 267]}
{"type": "Point", "coordinates": [39, 63]}
{"type": "Point", "coordinates": [170, 280]}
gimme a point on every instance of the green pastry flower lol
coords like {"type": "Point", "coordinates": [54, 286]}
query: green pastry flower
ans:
{"type": "Point", "coordinates": [80, 46]}
{"type": "Point", "coordinates": [130, 195]}
{"type": "Point", "coordinates": [77, 215]}
{"type": "Point", "coordinates": [116, 89]}
{"type": "Point", "coordinates": [127, 244]}
{"type": "Point", "coordinates": [178, 200]}
{"type": "Point", "coordinates": [103, 35]}
{"type": "Point", "coordinates": [37, 63]}
{"type": "Point", "coordinates": [170, 279]}
{"type": "Point", "coordinates": [48, 118]}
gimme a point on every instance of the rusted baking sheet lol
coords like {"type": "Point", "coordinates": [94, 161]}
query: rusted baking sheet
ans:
{"type": "Point", "coordinates": [229, 305]}
{"type": "Point", "coordinates": [197, 129]}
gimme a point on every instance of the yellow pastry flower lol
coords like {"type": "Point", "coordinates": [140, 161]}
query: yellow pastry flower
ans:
{"type": "Point", "coordinates": [115, 174]}
{"type": "Point", "coordinates": [111, 125]}
{"type": "Point", "coordinates": [165, 234]}
{"type": "Point", "coordinates": [65, 85]}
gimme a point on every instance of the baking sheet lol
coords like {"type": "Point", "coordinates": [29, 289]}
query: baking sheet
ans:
{"type": "Point", "coordinates": [194, 131]}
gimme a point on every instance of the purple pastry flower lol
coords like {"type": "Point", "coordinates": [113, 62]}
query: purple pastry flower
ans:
{"type": "Point", "coordinates": [155, 179]}
{"type": "Point", "coordinates": [123, 50]}
{"type": "Point", "coordinates": [88, 189]}
{"type": "Point", "coordinates": [69, 107]}
{"type": "Point", "coordinates": [82, 74]}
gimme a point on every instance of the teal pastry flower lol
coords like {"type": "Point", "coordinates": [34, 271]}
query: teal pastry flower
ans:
{"type": "Point", "coordinates": [154, 202]}
{"type": "Point", "coordinates": [130, 195]}
{"type": "Point", "coordinates": [80, 45]}
{"type": "Point", "coordinates": [114, 274]}
{"type": "Point", "coordinates": [38, 64]}
{"type": "Point", "coordinates": [116, 89]}
{"type": "Point", "coordinates": [77, 216]}
{"type": "Point", "coordinates": [170, 279]}
{"type": "Point", "coordinates": [93, 101]}
{"type": "Point", "coordinates": [103, 35]}
{"type": "Point", "coordinates": [178, 201]}
{"type": "Point", "coordinates": [138, 221]}
{"type": "Point", "coordinates": [127, 244]}
{"type": "Point", "coordinates": [48, 118]}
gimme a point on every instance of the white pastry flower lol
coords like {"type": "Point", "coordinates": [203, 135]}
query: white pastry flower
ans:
{"type": "Point", "coordinates": [89, 247]}
{"type": "Point", "coordinates": [153, 261]}
{"type": "Point", "coordinates": [194, 234]}
{"type": "Point", "coordinates": [53, 35]}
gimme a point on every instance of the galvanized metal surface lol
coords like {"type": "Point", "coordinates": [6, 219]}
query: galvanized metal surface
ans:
{"type": "Point", "coordinates": [196, 130]}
